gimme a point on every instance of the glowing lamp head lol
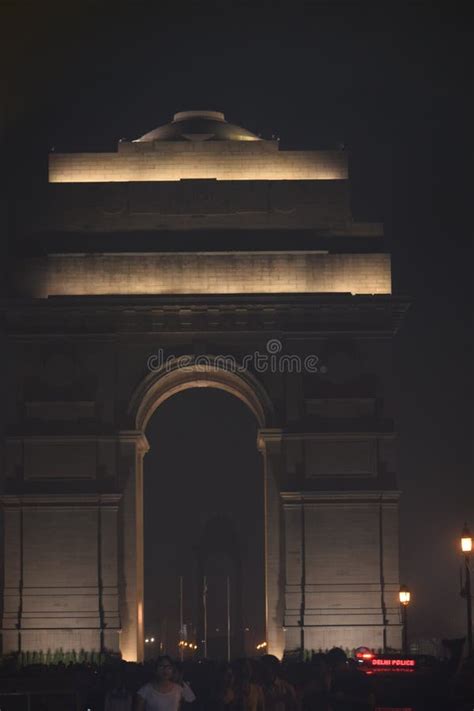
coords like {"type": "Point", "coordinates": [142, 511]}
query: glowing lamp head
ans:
{"type": "Point", "coordinates": [404, 595]}
{"type": "Point", "coordinates": [466, 540]}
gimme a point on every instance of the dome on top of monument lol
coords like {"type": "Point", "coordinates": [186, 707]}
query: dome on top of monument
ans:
{"type": "Point", "coordinates": [198, 126]}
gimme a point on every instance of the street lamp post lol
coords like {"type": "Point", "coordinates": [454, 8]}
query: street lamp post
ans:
{"type": "Point", "coordinates": [466, 547]}
{"type": "Point", "coordinates": [404, 596]}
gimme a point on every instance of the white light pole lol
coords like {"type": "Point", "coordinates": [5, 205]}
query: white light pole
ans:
{"type": "Point", "coordinates": [404, 596]}
{"type": "Point", "coordinates": [181, 651]}
{"type": "Point", "coordinates": [466, 547]}
{"type": "Point", "coordinates": [204, 604]}
{"type": "Point", "coordinates": [228, 619]}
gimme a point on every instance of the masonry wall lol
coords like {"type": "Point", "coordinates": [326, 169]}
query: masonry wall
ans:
{"type": "Point", "coordinates": [205, 273]}
{"type": "Point", "coordinates": [193, 205]}
{"type": "Point", "coordinates": [335, 557]}
{"type": "Point", "coordinates": [61, 574]}
{"type": "Point", "coordinates": [196, 161]}
{"type": "Point", "coordinates": [342, 570]}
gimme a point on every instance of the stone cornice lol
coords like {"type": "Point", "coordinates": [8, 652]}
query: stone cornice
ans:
{"type": "Point", "coordinates": [318, 497]}
{"type": "Point", "coordinates": [269, 436]}
{"type": "Point", "coordinates": [133, 437]}
{"type": "Point", "coordinates": [295, 315]}
{"type": "Point", "coordinates": [339, 435]}
{"type": "Point", "coordinates": [61, 500]}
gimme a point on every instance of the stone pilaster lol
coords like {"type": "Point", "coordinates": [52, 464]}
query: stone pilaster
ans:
{"type": "Point", "coordinates": [269, 442]}
{"type": "Point", "coordinates": [132, 448]}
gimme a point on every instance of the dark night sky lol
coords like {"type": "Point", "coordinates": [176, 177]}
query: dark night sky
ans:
{"type": "Point", "coordinates": [393, 85]}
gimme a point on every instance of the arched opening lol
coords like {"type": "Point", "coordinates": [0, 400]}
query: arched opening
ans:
{"type": "Point", "coordinates": [223, 567]}
{"type": "Point", "coordinates": [203, 527]}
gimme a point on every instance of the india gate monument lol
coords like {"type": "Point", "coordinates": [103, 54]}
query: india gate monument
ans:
{"type": "Point", "coordinates": [244, 261]}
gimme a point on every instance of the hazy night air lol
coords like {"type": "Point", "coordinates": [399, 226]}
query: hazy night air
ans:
{"type": "Point", "coordinates": [392, 89]}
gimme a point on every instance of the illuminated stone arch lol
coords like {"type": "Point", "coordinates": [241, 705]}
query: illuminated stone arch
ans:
{"type": "Point", "coordinates": [179, 375]}
{"type": "Point", "coordinates": [199, 372]}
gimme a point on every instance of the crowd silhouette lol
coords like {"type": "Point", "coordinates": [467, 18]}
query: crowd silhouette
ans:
{"type": "Point", "coordinates": [326, 682]}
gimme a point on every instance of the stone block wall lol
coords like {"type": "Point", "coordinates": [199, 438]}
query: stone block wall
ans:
{"type": "Point", "coordinates": [193, 205]}
{"type": "Point", "coordinates": [205, 273]}
{"type": "Point", "coordinates": [74, 564]}
{"type": "Point", "coordinates": [244, 162]}
{"type": "Point", "coordinates": [61, 573]}
{"type": "Point", "coordinates": [342, 569]}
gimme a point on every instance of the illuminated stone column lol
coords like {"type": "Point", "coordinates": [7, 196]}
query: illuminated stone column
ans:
{"type": "Point", "coordinates": [269, 443]}
{"type": "Point", "coordinates": [133, 446]}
